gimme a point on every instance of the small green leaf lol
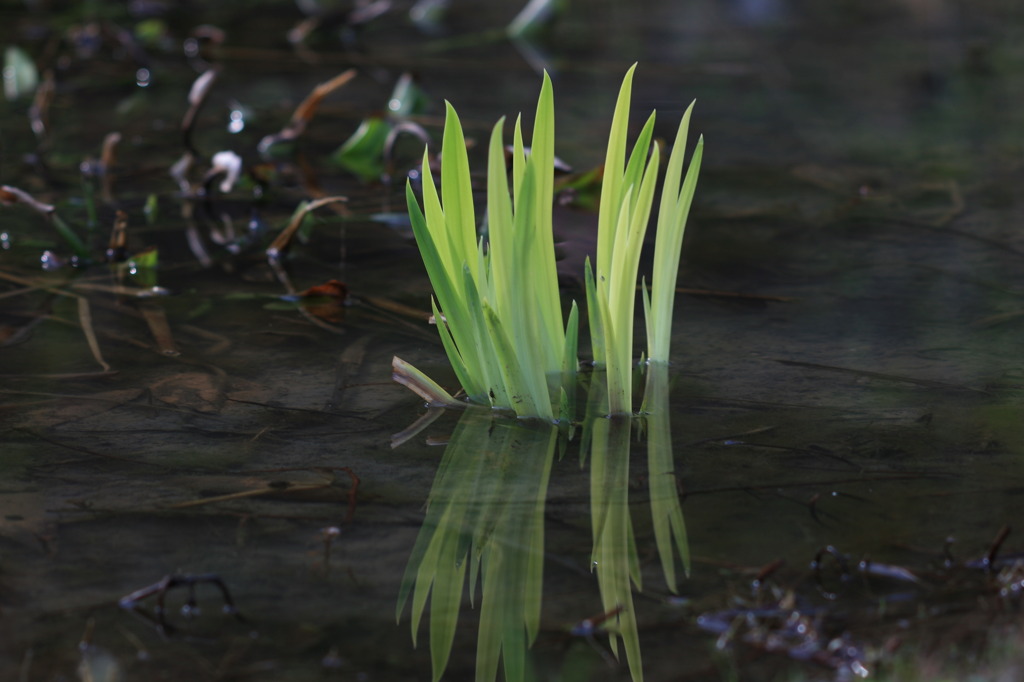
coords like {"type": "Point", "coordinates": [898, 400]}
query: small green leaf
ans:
{"type": "Point", "coordinates": [142, 267]}
{"type": "Point", "coordinates": [363, 153]}
{"type": "Point", "coordinates": [145, 259]}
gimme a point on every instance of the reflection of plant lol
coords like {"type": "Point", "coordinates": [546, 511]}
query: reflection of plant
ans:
{"type": "Point", "coordinates": [486, 512]}
{"type": "Point", "coordinates": [615, 558]}
{"type": "Point", "coordinates": [502, 324]}
{"type": "Point", "coordinates": [666, 514]}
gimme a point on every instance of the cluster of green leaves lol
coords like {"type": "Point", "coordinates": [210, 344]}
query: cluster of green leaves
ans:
{"type": "Point", "coordinates": [502, 326]}
{"type": "Point", "coordinates": [627, 196]}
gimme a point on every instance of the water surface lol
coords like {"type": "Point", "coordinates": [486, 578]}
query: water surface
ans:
{"type": "Point", "coordinates": [846, 371]}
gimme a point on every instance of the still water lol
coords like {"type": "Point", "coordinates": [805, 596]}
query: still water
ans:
{"type": "Point", "coordinates": [845, 387]}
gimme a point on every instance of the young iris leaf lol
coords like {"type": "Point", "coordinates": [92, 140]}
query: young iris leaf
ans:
{"type": "Point", "coordinates": [672, 213]}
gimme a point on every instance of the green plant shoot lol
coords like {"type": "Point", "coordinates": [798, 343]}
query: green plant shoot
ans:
{"type": "Point", "coordinates": [627, 196]}
{"type": "Point", "coordinates": [497, 305]}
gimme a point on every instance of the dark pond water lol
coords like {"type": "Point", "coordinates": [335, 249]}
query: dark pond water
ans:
{"type": "Point", "coordinates": [846, 363]}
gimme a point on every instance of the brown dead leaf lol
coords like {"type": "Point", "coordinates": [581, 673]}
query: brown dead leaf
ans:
{"type": "Point", "coordinates": [326, 301]}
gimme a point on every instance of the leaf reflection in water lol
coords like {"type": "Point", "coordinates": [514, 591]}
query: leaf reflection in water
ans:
{"type": "Point", "coordinates": [486, 514]}
{"type": "Point", "coordinates": [486, 511]}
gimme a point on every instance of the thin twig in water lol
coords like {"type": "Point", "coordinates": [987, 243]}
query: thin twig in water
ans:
{"type": "Point", "coordinates": [108, 157]}
{"type": "Point", "coordinates": [305, 111]}
{"type": "Point", "coordinates": [85, 319]}
{"type": "Point", "coordinates": [879, 375]}
{"type": "Point", "coordinates": [196, 97]}
{"type": "Point", "coordinates": [259, 492]}
{"type": "Point", "coordinates": [425, 420]}
{"type": "Point", "coordinates": [39, 112]}
{"type": "Point", "coordinates": [397, 308]}
{"type": "Point", "coordinates": [281, 242]}
{"type": "Point", "coordinates": [120, 289]}
{"type": "Point", "coordinates": [156, 319]}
